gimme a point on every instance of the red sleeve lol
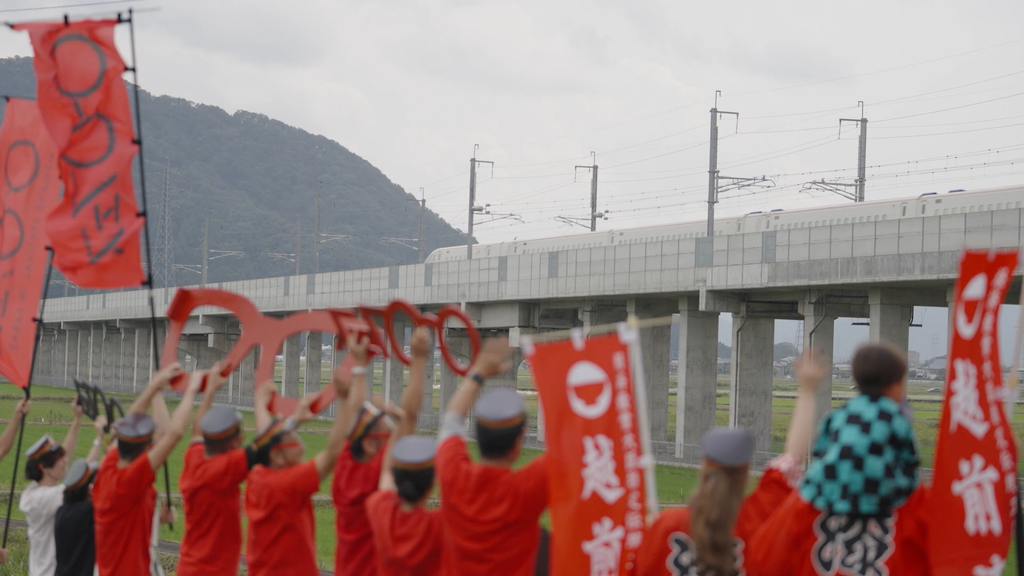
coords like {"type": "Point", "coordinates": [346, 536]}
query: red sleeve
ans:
{"type": "Point", "coordinates": [534, 480]}
{"type": "Point", "coordinates": [233, 467]}
{"type": "Point", "coordinates": [380, 503]}
{"type": "Point", "coordinates": [303, 480]}
{"type": "Point", "coordinates": [452, 457]}
{"type": "Point", "coordinates": [771, 492]}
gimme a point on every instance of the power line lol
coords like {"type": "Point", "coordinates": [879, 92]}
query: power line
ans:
{"type": "Point", "coordinates": [950, 109]}
{"type": "Point", "coordinates": [61, 6]}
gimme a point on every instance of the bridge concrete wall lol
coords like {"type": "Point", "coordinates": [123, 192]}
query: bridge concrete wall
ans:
{"type": "Point", "coordinates": [875, 270]}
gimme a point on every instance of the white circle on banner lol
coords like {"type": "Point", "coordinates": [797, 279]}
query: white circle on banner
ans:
{"type": "Point", "coordinates": [973, 293]}
{"type": "Point", "coordinates": [586, 373]}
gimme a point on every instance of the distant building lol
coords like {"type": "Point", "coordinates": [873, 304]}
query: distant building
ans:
{"type": "Point", "coordinates": [914, 358]}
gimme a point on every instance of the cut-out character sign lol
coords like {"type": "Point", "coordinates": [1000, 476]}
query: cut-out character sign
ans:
{"type": "Point", "coordinates": [269, 333]}
{"type": "Point", "coordinates": [29, 188]}
{"type": "Point", "coordinates": [95, 228]}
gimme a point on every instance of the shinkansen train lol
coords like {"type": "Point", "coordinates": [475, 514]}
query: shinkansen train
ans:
{"type": "Point", "coordinates": [930, 204]}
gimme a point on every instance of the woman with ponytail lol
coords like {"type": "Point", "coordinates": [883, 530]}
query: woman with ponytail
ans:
{"type": "Point", "coordinates": [709, 535]}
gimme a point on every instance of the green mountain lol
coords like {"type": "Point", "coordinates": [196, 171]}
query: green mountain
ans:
{"type": "Point", "coordinates": [257, 179]}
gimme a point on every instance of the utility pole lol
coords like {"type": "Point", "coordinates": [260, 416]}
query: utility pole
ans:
{"type": "Point", "coordinates": [316, 232]}
{"type": "Point", "coordinates": [593, 191]}
{"type": "Point", "coordinates": [423, 211]}
{"type": "Point", "coordinates": [858, 185]}
{"type": "Point", "coordinates": [473, 208]}
{"type": "Point", "coordinates": [206, 250]}
{"type": "Point", "coordinates": [298, 245]}
{"type": "Point", "coordinates": [862, 151]}
{"type": "Point", "coordinates": [713, 163]}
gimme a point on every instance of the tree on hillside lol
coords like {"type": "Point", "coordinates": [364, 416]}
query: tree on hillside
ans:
{"type": "Point", "coordinates": [785, 350]}
{"type": "Point", "coordinates": [256, 179]}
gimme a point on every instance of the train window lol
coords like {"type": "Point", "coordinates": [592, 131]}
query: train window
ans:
{"type": "Point", "coordinates": [885, 216]}
{"type": "Point", "coordinates": [904, 211]}
{"type": "Point", "coordinates": [945, 211]}
{"type": "Point", "coordinates": [923, 206]}
{"type": "Point", "coordinates": [739, 226]}
{"type": "Point", "coordinates": [998, 206]}
{"type": "Point", "coordinates": [972, 209]}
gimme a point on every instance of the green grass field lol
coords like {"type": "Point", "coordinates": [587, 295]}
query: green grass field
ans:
{"type": "Point", "coordinates": [51, 413]}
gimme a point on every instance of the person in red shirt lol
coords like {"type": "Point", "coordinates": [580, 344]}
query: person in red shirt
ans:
{"type": "Point", "coordinates": [278, 496]}
{"type": "Point", "coordinates": [860, 509]}
{"type": "Point", "coordinates": [407, 536]}
{"type": "Point", "coordinates": [215, 465]}
{"type": "Point", "coordinates": [123, 496]}
{"type": "Point", "coordinates": [709, 535]}
{"type": "Point", "coordinates": [490, 511]}
{"type": "Point", "coordinates": [357, 475]}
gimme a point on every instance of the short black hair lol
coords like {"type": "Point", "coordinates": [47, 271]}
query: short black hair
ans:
{"type": "Point", "coordinates": [413, 485]}
{"type": "Point", "coordinates": [216, 447]}
{"type": "Point", "coordinates": [79, 494]}
{"type": "Point", "coordinates": [130, 450]}
{"type": "Point", "coordinates": [498, 442]}
{"type": "Point", "coordinates": [34, 468]}
{"type": "Point", "coordinates": [878, 367]}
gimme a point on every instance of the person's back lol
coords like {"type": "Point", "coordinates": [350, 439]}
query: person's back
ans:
{"type": "Point", "coordinates": [491, 511]}
{"type": "Point", "coordinates": [860, 509]}
{"type": "Point", "coordinates": [124, 501]}
{"type": "Point", "coordinates": [353, 483]}
{"type": "Point", "coordinates": [75, 540]}
{"type": "Point", "coordinates": [73, 533]}
{"type": "Point", "coordinates": [215, 466]}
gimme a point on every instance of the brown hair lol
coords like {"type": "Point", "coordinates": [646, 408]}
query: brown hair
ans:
{"type": "Point", "coordinates": [713, 510]}
{"type": "Point", "coordinates": [877, 367]}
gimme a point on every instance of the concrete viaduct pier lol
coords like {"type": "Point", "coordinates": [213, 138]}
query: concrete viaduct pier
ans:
{"type": "Point", "coordinates": [874, 270]}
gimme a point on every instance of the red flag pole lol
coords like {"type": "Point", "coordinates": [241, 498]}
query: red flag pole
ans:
{"type": "Point", "coordinates": [21, 430]}
{"type": "Point", "coordinates": [145, 214]}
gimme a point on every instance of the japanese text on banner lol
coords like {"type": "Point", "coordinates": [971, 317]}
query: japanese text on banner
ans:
{"type": "Point", "coordinates": [975, 482]}
{"type": "Point", "coordinates": [597, 493]}
{"type": "Point", "coordinates": [95, 228]}
{"type": "Point", "coordinates": [29, 189]}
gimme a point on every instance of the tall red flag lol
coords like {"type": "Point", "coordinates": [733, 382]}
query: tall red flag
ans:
{"type": "Point", "coordinates": [29, 189]}
{"type": "Point", "coordinates": [974, 487]}
{"type": "Point", "coordinates": [95, 229]}
{"type": "Point", "coordinates": [597, 492]}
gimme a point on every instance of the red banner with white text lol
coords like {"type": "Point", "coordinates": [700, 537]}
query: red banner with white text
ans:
{"type": "Point", "coordinates": [596, 488]}
{"type": "Point", "coordinates": [974, 487]}
{"type": "Point", "coordinates": [28, 191]}
{"type": "Point", "coordinates": [95, 229]}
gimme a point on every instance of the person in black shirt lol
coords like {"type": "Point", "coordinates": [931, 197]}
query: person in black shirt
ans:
{"type": "Point", "coordinates": [73, 526]}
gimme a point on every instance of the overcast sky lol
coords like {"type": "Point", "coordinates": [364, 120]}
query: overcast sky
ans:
{"type": "Point", "coordinates": [412, 85]}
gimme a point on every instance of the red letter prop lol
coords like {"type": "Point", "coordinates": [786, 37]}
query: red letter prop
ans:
{"type": "Point", "coordinates": [28, 191]}
{"type": "Point", "coordinates": [974, 488]}
{"type": "Point", "coordinates": [95, 228]}
{"type": "Point", "coordinates": [596, 488]}
{"type": "Point", "coordinates": [269, 333]}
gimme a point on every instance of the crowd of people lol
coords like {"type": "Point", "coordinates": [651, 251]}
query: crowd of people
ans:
{"type": "Point", "coordinates": [848, 502]}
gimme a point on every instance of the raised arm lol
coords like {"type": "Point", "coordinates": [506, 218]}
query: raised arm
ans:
{"type": "Point", "coordinates": [7, 438]}
{"type": "Point", "coordinates": [324, 461]}
{"type": "Point", "coordinates": [215, 381]}
{"type": "Point", "coordinates": [99, 426]}
{"type": "Point", "coordinates": [179, 422]}
{"type": "Point", "coordinates": [387, 477]}
{"type": "Point", "coordinates": [71, 439]}
{"type": "Point", "coordinates": [412, 397]}
{"type": "Point", "coordinates": [261, 406]}
{"type": "Point", "coordinates": [161, 380]}
{"type": "Point", "coordinates": [809, 371]}
{"type": "Point", "coordinates": [355, 393]}
{"type": "Point", "coordinates": [492, 360]}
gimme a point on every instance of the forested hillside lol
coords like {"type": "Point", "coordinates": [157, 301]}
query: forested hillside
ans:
{"type": "Point", "coordinates": [256, 179]}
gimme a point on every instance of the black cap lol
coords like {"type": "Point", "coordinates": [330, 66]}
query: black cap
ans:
{"type": "Point", "coordinates": [42, 447]}
{"type": "Point", "coordinates": [728, 446]}
{"type": "Point", "coordinates": [501, 408]}
{"type": "Point", "coordinates": [221, 422]}
{"type": "Point", "coordinates": [135, 429]}
{"type": "Point", "coordinates": [414, 452]}
{"type": "Point", "coordinates": [79, 474]}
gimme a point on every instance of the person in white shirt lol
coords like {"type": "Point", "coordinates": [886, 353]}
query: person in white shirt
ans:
{"type": "Point", "coordinates": [7, 441]}
{"type": "Point", "coordinates": [46, 467]}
